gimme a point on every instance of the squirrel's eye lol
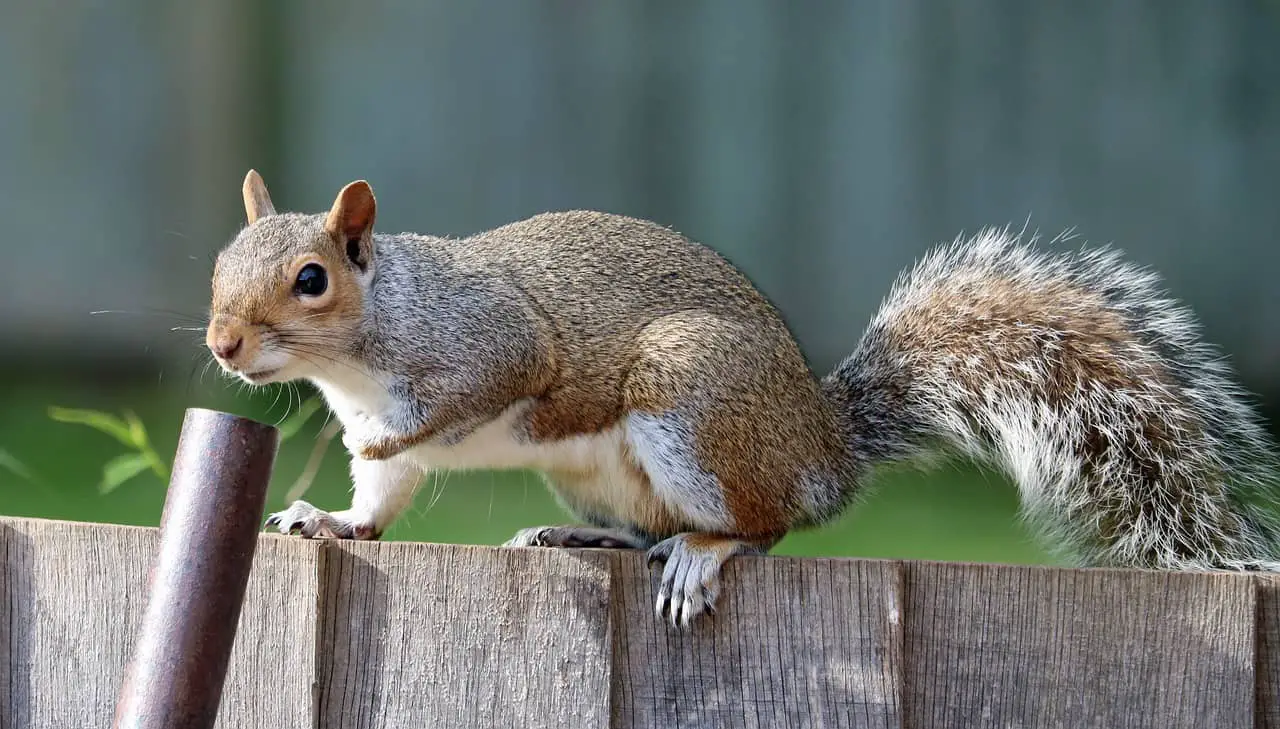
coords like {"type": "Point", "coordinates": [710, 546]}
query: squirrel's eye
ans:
{"type": "Point", "coordinates": [311, 280]}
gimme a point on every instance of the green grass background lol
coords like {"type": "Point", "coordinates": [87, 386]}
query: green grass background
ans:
{"type": "Point", "coordinates": [955, 513]}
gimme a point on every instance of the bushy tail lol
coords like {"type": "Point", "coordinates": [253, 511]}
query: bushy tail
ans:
{"type": "Point", "coordinates": [1128, 437]}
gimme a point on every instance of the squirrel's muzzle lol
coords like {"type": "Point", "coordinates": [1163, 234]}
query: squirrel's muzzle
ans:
{"type": "Point", "coordinates": [226, 339]}
{"type": "Point", "coordinates": [225, 346]}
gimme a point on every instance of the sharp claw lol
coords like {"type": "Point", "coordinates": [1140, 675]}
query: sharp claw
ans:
{"type": "Point", "coordinates": [690, 585]}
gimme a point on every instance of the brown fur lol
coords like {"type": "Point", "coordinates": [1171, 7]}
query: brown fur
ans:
{"type": "Point", "coordinates": [248, 301]}
{"type": "Point", "coordinates": [688, 331]}
{"type": "Point", "coordinates": [681, 332]}
{"type": "Point", "coordinates": [986, 329]}
{"type": "Point", "coordinates": [666, 399]}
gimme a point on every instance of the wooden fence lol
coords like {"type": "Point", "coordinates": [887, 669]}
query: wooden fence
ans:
{"type": "Point", "coordinates": [422, 635]}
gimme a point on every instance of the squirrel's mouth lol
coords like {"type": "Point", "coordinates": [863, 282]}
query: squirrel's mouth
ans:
{"type": "Point", "coordinates": [261, 376]}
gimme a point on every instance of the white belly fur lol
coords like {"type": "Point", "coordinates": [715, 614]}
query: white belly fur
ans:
{"type": "Point", "coordinates": [611, 484]}
{"type": "Point", "coordinates": [630, 471]}
{"type": "Point", "coordinates": [594, 472]}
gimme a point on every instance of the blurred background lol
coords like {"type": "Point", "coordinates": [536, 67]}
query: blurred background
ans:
{"type": "Point", "coordinates": [821, 146]}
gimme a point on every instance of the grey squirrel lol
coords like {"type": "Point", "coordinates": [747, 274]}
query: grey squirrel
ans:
{"type": "Point", "coordinates": [671, 409]}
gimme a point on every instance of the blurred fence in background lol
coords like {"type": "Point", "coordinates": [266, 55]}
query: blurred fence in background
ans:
{"type": "Point", "coordinates": [822, 146]}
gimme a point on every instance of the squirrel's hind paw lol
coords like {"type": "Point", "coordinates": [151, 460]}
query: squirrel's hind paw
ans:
{"type": "Point", "coordinates": [308, 521]}
{"type": "Point", "coordinates": [575, 536]}
{"type": "Point", "coordinates": [690, 576]}
{"type": "Point", "coordinates": [691, 573]}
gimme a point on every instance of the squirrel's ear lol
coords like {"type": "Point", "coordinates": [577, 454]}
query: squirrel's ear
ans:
{"type": "Point", "coordinates": [352, 213]}
{"type": "Point", "coordinates": [257, 202]}
{"type": "Point", "coordinates": [350, 222]}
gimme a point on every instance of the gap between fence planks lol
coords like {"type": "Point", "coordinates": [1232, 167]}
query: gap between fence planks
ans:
{"type": "Point", "coordinates": [341, 634]}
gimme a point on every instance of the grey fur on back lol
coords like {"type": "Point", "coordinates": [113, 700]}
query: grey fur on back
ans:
{"type": "Point", "coordinates": [1074, 373]}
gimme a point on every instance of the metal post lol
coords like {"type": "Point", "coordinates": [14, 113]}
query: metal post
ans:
{"type": "Point", "coordinates": [212, 515]}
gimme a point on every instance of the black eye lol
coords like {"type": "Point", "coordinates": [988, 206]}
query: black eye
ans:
{"type": "Point", "coordinates": [312, 280]}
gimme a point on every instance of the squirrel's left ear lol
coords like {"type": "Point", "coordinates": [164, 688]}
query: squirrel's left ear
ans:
{"type": "Point", "coordinates": [257, 203]}
{"type": "Point", "coordinates": [350, 222]}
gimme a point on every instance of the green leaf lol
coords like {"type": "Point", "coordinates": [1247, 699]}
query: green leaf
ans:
{"type": "Point", "coordinates": [121, 469]}
{"type": "Point", "coordinates": [137, 430]}
{"type": "Point", "coordinates": [294, 422]}
{"type": "Point", "coordinates": [103, 422]}
{"type": "Point", "coordinates": [157, 463]}
{"type": "Point", "coordinates": [9, 462]}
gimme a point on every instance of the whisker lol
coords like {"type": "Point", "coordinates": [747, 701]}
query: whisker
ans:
{"type": "Point", "coordinates": [205, 370]}
{"type": "Point", "coordinates": [306, 356]}
{"type": "Point", "coordinates": [275, 401]}
{"type": "Point", "coordinates": [439, 480]}
{"type": "Point", "coordinates": [493, 489]}
{"type": "Point", "coordinates": [180, 316]}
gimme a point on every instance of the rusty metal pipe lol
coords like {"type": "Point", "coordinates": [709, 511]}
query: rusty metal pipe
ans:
{"type": "Point", "coordinates": [209, 529]}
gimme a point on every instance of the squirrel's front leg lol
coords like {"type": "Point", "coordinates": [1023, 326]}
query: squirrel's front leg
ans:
{"type": "Point", "coordinates": [406, 422]}
{"type": "Point", "coordinates": [383, 489]}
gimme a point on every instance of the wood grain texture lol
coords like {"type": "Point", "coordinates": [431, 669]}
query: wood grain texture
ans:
{"type": "Point", "coordinates": [1267, 692]}
{"type": "Point", "coordinates": [1002, 646]}
{"type": "Point", "coordinates": [392, 635]}
{"type": "Point", "coordinates": [271, 678]}
{"type": "Point", "coordinates": [72, 597]}
{"type": "Point", "coordinates": [794, 643]}
{"type": "Point", "coordinates": [419, 635]}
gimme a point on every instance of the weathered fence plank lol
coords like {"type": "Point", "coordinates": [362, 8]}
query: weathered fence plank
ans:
{"type": "Point", "coordinates": [273, 663]}
{"type": "Point", "coordinates": [74, 597]}
{"type": "Point", "coordinates": [71, 600]}
{"type": "Point", "coordinates": [418, 635]}
{"type": "Point", "coordinates": [337, 634]}
{"type": "Point", "coordinates": [1268, 659]}
{"type": "Point", "coordinates": [805, 643]}
{"type": "Point", "coordinates": [1004, 646]}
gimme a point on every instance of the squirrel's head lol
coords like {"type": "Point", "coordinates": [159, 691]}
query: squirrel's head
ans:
{"type": "Point", "coordinates": [289, 291]}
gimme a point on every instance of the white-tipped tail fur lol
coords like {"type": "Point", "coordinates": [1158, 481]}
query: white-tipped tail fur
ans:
{"type": "Point", "coordinates": [1074, 373]}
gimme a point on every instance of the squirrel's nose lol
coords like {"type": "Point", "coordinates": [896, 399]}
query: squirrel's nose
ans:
{"type": "Point", "coordinates": [226, 346]}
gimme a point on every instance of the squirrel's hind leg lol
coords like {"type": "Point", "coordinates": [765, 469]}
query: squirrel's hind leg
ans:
{"type": "Point", "coordinates": [691, 573]}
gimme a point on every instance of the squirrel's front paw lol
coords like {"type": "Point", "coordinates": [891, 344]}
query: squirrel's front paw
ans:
{"type": "Point", "coordinates": [308, 521]}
